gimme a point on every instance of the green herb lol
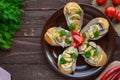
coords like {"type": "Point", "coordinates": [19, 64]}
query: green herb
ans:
{"type": "Point", "coordinates": [96, 53]}
{"type": "Point", "coordinates": [87, 54]}
{"type": "Point", "coordinates": [62, 60]}
{"type": "Point", "coordinates": [63, 32]}
{"type": "Point", "coordinates": [73, 55]}
{"type": "Point", "coordinates": [68, 41]}
{"type": "Point", "coordinates": [10, 21]}
{"type": "Point", "coordinates": [87, 44]}
{"type": "Point", "coordinates": [79, 12]}
{"type": "Point", "coordinates": [96, 34]}
{"type": "Point", "coordinates": [71, 27]}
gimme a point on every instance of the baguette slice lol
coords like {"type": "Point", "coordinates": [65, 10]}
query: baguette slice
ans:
{"type": "Point", "coordinates": [70, 64]}
{"type": "Point", "coordinates": [74, 16]}
{"type": "Point", "coordinates": [96, 28]}
{"type": "Point", "coordinates": [48, 37]}
{"type": "Point", "coordinates": [96, 57]}
{"type": "Point", "coordinates": [54, 38]}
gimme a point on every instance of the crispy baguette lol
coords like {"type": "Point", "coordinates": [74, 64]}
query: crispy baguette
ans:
{"type": "Point", "coordinates": [101, 21]}
{"type": "Point", "coordinates": [97, 60]}
{"type": "Point", "coordinates": [104, 21]}
{"type": "Point", "coordinates": [75, 5]}
{"type": "Point", "coordinates": [96, 20]}
{"type": "Point", "coordinates": [69, 4]}
{"type": "Point", "coordinates": [48, 37]}
{"type": "Point", "coordinates": [101, 62]}
{"type": "Point", "coordinates": [62, 69]}
{"type": "Point", "coordinates": [71, 69]}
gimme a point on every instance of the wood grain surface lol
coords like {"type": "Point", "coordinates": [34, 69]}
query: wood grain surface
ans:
{"type": "Point", "coordinates": [25, 60]}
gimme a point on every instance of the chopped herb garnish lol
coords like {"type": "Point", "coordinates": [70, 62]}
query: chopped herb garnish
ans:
{"type": "Point", "coordinates": [68, 41]}
{"type": "Point", "coordinates": [96, 34]}
{"type": "Point", "coordinates": [73, 55]}
{"type": "Point", "coordinates": [87, 44]}
{"type": "Point", "coordinates": [63, 32]}
{"type": "Point", "coordinates": [79, 12]}
{"type": "Point", "coordinates": [96, 52]}
{"type": "Point", "coordinates": [62, 60]}
{"type": "Point", "coordinates": [71, 27]}
{"type": "Point", "coordinates": [87, 54]}
{"type": "Point", "coordinates": [10, 21]}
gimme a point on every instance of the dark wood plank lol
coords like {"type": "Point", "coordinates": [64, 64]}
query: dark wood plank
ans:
{"type": "Point", "coordinates": [36, 17]}
{"type": "Point", "coordinates": [49, 4]}
{"type": "Point", "coordinates": [33, 23]}
{"type": "Point", "coordinates": [31, 72]}
{"type": "Point", "coordinates": [24, 50]}
{"type": "Point", "coordinates": [30, 31]}
{"type": "Point", "coordinates": [23, 58]}
{"type": "Point", "coordinates": [25, 45]}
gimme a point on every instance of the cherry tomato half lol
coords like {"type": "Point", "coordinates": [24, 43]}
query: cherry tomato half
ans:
{"type": "Point", "coordinates": [100, 2]}
{"type": "Point", "coordinates": [75, 32]}
{"type": "Point", "coordinates": [110, 11]}
{"type": "Point", "coordinates": [118, 16]}
{"type": "Point", "coordinates": [78, 38]}
{"type": "Point", "coordinates": [116, 2]}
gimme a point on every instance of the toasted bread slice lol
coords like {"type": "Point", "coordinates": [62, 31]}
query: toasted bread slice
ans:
{"type": "Point", "coordinates": [70, 61]}
{"type": "Point", "coordinates": [58, 36]}
{"type": "Point", "coordinates": [48, 37]}
{"type": "Point", "coordinates": [93, 54]}
{"type": "Point", "coordinates": [69, 5]}
{"type": "Point", "coordinates": [102, 60]}
{"type": "Point", "coordinates": [74, 15]}
{"type": "Point", "coordinates": [67, 71]}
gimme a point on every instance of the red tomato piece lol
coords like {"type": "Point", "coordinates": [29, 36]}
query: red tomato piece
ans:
{"type": "Point", "coordinates": [110, 11]}
{"type": "Point", "coordinates": [116, 2]}
{"type": "Point", "coordinates": [118, 16]}
{"type": "Point", "coordinates": [75, 32]}
{"type": "Point", "coordinates": [75, 45]}
{"type": "Point", "coordinates": [100, 2]}
{"type": "Point", "coordinates": [78, 38]}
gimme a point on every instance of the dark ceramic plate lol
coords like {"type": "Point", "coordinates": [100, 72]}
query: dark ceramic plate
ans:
{"type": "Point", "coordinates": [83, 71]}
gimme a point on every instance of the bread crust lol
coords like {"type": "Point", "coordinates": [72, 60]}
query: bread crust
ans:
{"type": "Point", "coordinates": [69, 4]}
{"type": "Point", "coordinates": [62, 69]}
{"type": "Point", "coordinates": [101, 62]}
{"type": "Point", "coordinates": [75, 5]}
{"type": "Point", "coordinates": [104, 22]}
{"type": "Point", "coordinates": [48, 38]}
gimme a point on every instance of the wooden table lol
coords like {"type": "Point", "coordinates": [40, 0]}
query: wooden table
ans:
{"type": "Point", "coordinates": [25, 60]}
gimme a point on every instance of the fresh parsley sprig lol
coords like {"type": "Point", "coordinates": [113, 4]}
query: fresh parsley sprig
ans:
{"type": "Point", "coordinates": [10, 21]}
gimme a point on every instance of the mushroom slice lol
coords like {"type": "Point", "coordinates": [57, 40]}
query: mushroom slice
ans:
{"type": "Point", "coordinates": [99, 27]}
{"type": "Point", "coordinates": [74, 16]}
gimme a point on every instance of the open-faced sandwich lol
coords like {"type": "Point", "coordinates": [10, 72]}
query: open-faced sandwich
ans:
{"type": "Point", "coordinates": [67, 60]}
{"type": "Point", "coordinates": [57, 36]}
{"type": "Point", "coordinates": [74, 16]}
{"type": "Point", "coordinates": [93, 54]}
{"type": "Point", "coordinates": [95, 29]}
